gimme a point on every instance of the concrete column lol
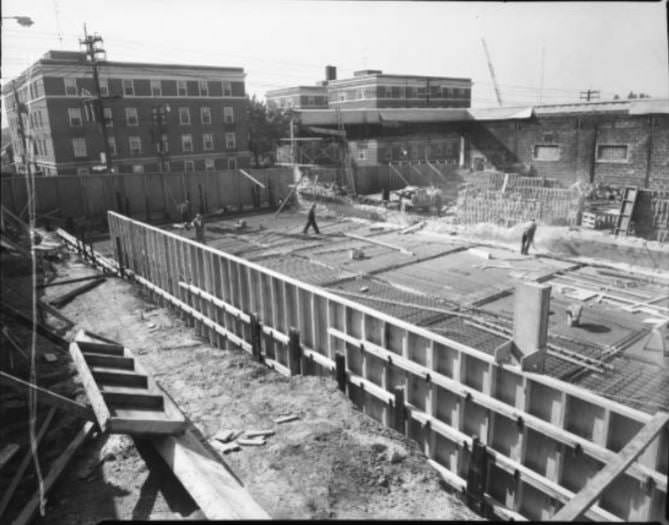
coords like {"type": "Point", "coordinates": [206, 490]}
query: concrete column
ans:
{"type": "Point", "coordinates": [530, 324]}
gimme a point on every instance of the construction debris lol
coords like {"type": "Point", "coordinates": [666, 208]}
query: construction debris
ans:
{"type": "Point", "coordinates": [258, 433]}
{"type": "Point", "coordinates": [286, 419]}
{"type": "Point", "coordinates": [251, 442]}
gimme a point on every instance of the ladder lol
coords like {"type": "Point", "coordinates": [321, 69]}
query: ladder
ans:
{"type": "Point", "coordinates": [125, 399]}
{"type": "Point", "coordinates": [626, 210]}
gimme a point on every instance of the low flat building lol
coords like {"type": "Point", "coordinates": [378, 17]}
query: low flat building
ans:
{"type": "Point", "coordinates": [158, 117]}
{"type": "Point", "coordinates": [298, 97]}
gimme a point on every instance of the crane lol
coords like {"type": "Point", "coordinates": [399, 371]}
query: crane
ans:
{"type": "Point", "coordinates": [492, 72]}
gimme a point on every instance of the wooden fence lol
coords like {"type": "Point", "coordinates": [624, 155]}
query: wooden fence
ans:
{"type": "Point", "coordinates": [544, 438]}
{"type": "Point", "coordinates": [150, 196]}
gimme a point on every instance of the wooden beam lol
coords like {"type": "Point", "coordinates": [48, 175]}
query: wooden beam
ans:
{"type": "Point", "coordinates": [594, 488]}
{"type": "Point", "coordinates": [28, 322]}
{"type": "Point", "coordinates": [398, 173]}
{"type": "Point", "coordinates": [102, 414]}
{"type": "Point", "coordinates": [56, 469]}
{"type": "Point", "coordinates": [380, 243]}
{"type": "Point", "coordinates": [47, 397]}
{"type": "Point", "coordinates": [7, 453]}
{"type": "Point", "coordinates": [252, 178]}
{"type": "Point", "coordinates": [68, 281]}
{"type": "Point", "coordinates": [53, 311]}
{"type": "Point", "coordinates": [25, 462]}
{"type": "Point", "coordinates": [69, 296]}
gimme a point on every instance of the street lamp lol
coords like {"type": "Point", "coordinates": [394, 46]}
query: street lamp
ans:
{"type": "Point", "coordinates": [25, 21]}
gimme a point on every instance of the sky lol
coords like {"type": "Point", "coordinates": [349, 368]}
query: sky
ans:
{"type": "Point", "coordinates": [567, 47]}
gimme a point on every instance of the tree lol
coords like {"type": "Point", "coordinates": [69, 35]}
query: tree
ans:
{"type": "Point", "coordinates": [616, 97]}
{"type": "Point", "coordinates": [631, 95]}
{"type": "Point", "coordinates": [266, 127]}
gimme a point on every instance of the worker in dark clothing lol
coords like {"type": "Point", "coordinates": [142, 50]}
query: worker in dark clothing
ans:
{"type": "Point", "coordinates": [198, 224]}
{"type": "Point", "coordinates": [311, 219]}
{"type": "Point", "coordinates": [528, 238]}
{"type": "Point", "coordinates": [184, 210]}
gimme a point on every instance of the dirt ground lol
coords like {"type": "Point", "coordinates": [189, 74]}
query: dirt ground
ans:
{"type": "Point", "coordinates": [333, 462]}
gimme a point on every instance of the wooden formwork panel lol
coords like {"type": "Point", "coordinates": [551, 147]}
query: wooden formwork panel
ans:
{"type": "Point", "coordinates": [546, 437]}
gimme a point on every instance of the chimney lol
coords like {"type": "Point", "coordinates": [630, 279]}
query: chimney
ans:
{"type": "Point", "coordinates": [530, 324]}
{"type": "Point", "coordinates": [330, 73]}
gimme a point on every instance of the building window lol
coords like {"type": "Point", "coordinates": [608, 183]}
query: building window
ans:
{"type": "Point", "coordinates": [138, 168]}
{"type": "Point", "coordinates": [228, 114]}
{"type": "Point", "coordinates": [39, 118]}
{"type": "Point", "coordinates": [189, 165]}
{"type": "Point", "coordinates": [182, 90]}
{"type": "Point", "coordinates": [128, 88]}
{"type": "Point", "coordinates": [226, 88]}
{"type": "Point", "coordinates": [111, 141]}
{"type": "Point", "coordinates": [232, 164]}
{"type": "Point", "coordinates": [74, 117]}
{"type": "Point", "coordinates": [83, 171]}
{"type": "Point", "coordinates": [71, 87]}
{"type": "Point", "coordinates": [230, 141]}
{"type": "Point", "coordinates": [205, 115]}
{"type": "Point", "coordinates": [135, 144]}
{"type": "Point", "coordinates": [104, 87]}
{"type": "Point", "coordinates": [612, 153]}
{"type": "Point", "coordinates": [108, 116]}
{"type": "Point", "coordinates": [209, 164]}
{"type": "Point", "coordinates": [156, 88]}
{"type": "Point", "coordinates": [204, 88]}
{"type": "Point", "coordinates": [184, 116]}
{"type": "Point", "coordinates": [131, 118]}
{"type": "Point", "coordinates": [208, 142]}
{"type": "Point", "coordinates": [166, 166]}
{"type": "Point", "coordinates": [162, 146]}
{"type": "Point", "coordinates": [187, 143]}
{"type": "Point", "coordinates": [79, 147]}
{"type": "Point", "coordinates": [546, 152]}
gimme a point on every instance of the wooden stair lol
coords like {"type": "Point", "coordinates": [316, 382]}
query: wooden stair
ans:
{"type": "Point", "coordinates": [125, 398]}
{"type": "Point", "coordinates": [627, 206]}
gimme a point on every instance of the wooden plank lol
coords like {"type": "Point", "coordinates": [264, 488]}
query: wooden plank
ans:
{"type": "Point", "coordinates": [47, 397]}
{"type": "Point", "coordinates": [133, 400]}
{"type": "Point", "coordinates": [380, 243]}
{"type": "Point", "coordinates": [594, 488]}
{"type": "Point", "coordinates": [56, 469]}
{"type": "Point", "coordinates": [7, 453]}
{"type": "Point", "coordinates": [109, 361]}
{"type": "Point", "coordinates": [207, 479]}
{"type": "Point", "coordinates": [90, 385]}
{"type": "Point", "coordinates": [111, 376]}
{"type": "Point", "coordinates": [25, 462]}
{"type": "Point", "coordinates": [101, 348]}
{"type": "Point", "coordinates": [252, 178]}
{"type": "Point", "coordinates": [41, 329]}
{"type": "Point", "coordinates": [53, 311]}
{"type": "Point", "coordinates": [68, 281]}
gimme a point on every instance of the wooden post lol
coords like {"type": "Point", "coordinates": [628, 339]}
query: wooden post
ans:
{"type": "Point", "coordinates": [340, 370]}
{"type": "Point", "coordinates": [255, 338]}
{"type": "Point", "coordinates": [199, 188]}
{"type": "Point", "coordinates": [477, 477]}
{"type": "Point", "coordinates": [119, 256]}
{"type": "Point", "coordinates": [294, 352]}
{"type": "Point", "coordinates": [119, 202]}
{"type": "Point", "coordinates": [399, 410]}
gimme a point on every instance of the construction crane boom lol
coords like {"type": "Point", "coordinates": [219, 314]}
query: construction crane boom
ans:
{"type": "Point", "coordinates": [492, 72]}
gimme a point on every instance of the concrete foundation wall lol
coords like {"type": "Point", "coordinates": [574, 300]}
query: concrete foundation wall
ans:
{"type": "Point", "coordinates": [545, 437]}
{"type": "Point", "coordinates": [150, 196]}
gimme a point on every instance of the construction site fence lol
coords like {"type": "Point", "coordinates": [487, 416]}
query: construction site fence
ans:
{"type": "Point", "coordinates": [149, 196]}
{"type": "Point", "coordinates": [544, 438]}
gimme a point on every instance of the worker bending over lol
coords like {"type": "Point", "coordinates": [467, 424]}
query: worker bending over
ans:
{"type": "Point", "coordinates": [528, 237]}
{"type": "Point", "coordinates": [311, 220]}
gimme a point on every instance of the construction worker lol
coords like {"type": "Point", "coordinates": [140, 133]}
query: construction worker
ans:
{"type": "Point", "coordinates": [198, 224]}
{"type": "Point", "coordinates": [574, 314]}
{"type": "Point", "coordinates": [528, 237]}
{"type": "Point", "coordinates": [311, 220]}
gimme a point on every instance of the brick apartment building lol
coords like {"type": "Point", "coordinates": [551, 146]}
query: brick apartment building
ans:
{"type": "Point", "coordinates": [372, 88]}
{"type": "Point", "coordinates": [159, 117]}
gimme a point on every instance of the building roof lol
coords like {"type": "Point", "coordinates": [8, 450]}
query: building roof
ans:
{"type": "Point", "coordinates": [296, 89]}
{"type": "Point", "coordinates": [315, 117]}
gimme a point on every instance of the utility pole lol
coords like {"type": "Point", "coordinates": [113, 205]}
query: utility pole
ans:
{"type": "Point", "coordinates": [590, 94]}
{"type": "Point", "coordinates": [92, 53]}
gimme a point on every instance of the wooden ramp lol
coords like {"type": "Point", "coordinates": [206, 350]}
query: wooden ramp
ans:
{"type": "Point", "coordinates": [125, 398]}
